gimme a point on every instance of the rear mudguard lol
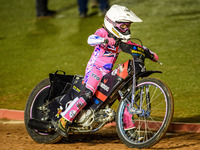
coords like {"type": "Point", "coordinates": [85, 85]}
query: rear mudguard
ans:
{"type": "Point", "coordinates": [60, 84]}
{"type": "Point", "coordinates": [64, 88]}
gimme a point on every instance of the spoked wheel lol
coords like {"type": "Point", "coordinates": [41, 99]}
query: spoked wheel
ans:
{"type": "Point", "coordinates": [36, 109]}
{"type": "Point", "coordinates": [155, 103]}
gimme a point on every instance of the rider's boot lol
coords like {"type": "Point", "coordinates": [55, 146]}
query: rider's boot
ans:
{"type": "Point", "coordinates": [128, 120]}
{"type": "Point", "coordinates": [73, 109]}
{"type": "Point", "coordinates": [130, 126]}
{"type": "Point", "coordinates": [62, 127]}
{"type": "Point", "coordinates": [69, 114]}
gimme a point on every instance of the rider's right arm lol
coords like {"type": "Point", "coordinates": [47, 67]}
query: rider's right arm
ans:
{"type": "Point", "coordinates": [94, 40]}
{"type": "Point", "coordinates": [98, 37]}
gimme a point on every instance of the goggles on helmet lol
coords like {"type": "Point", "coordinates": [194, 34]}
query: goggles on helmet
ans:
{"type": "Point", "coordinates": [123, 27]}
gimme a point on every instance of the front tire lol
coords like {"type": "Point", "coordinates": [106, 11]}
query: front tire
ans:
{"type": "Point", "coordinates": [156, 102]}
{"type": "Point", "coordinates": [35, 102]}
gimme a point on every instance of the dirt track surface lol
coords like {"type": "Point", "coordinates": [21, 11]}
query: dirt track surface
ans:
{"type": "Point", "coordinates": [14, 136]}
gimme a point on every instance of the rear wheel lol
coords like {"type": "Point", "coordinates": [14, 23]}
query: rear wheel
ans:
{"type": "Point", "coordinates": [36, 109]}
{"type": "Point", "coordinates": [155, 102]}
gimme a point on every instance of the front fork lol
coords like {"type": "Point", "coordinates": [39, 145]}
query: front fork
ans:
{"type": "Point", "coordinates": [136, 106]}
{"type": "Point", "coordinates": [132, 105]}
{"type": "Point", "coordinates": [129, 98]}
{"type": "Point", "coordinates": [132, 109]}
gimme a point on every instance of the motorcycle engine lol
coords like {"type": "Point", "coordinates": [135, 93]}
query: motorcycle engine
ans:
{"type": "Point", "coordinates": [105, 115]}
{"type": "Point", "coordinates": [88, 119]}
{"type": "Point", "coordinates": [85, 118]}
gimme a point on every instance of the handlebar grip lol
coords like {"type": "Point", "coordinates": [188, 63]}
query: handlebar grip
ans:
{"type": "Point", "coordinates": [106, 41]}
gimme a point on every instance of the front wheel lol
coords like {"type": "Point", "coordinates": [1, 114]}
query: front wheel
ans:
{"type": "Point", "coordinates": [154, 100]}
{"type": "Point", "coordinates": [36, 109]}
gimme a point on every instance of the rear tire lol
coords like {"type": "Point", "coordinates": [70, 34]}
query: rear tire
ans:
{"type": "Point", "coordinates": [36, 99]}
{"type": "Point", "coordinates": [157, 105]}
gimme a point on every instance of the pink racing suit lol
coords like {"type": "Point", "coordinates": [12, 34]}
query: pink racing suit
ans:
{"type": "Point", "coordinates": [101, 61]}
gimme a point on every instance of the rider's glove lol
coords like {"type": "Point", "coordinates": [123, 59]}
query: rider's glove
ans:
{"type": "Point", "coordinates": [110, 41]}
{"type": "Point", "coordinates": [151, 55]}
{"type": "Point", "coordinates": [155, 56]}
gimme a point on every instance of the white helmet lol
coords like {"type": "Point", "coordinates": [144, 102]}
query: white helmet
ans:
{"type": "Point", "coordinates": [115, 17]}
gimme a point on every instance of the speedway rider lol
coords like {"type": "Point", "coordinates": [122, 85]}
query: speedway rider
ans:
{"type": "Point", "coordinates": [116, 27]}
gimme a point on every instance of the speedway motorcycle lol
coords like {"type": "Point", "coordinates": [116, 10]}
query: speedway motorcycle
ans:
{"type": "Point", "coordinates": [149, 100]}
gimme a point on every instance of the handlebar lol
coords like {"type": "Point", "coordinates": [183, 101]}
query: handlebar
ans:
{"type": "Point", "coordinates": [159, 62]}
{"type": "Point", "coordinates": [106, 41]}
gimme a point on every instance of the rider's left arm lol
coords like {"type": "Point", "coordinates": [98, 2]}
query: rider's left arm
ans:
{"type": "Point", "coordinates": [128, 46]}
{"type": "Point", "coordinates": [149, 54]}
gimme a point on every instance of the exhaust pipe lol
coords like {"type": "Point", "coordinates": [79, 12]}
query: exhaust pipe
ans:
{"type": "Point", "coordinates": [43, 126]}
